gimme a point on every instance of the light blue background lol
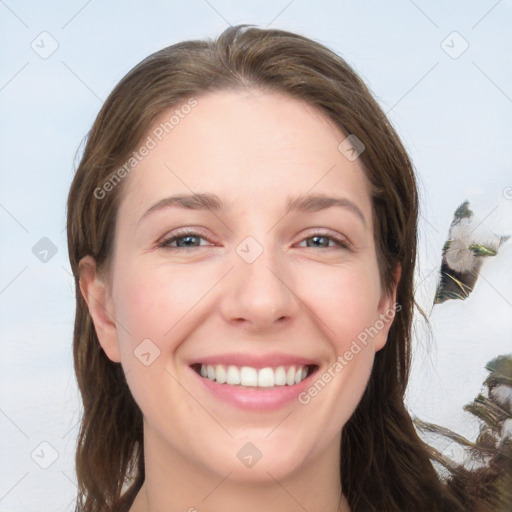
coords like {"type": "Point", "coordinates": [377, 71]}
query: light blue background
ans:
{"type": "Point", "coordinates": [453, 116]}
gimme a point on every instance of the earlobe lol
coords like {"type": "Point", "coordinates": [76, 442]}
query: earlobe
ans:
{"type": "Point", "coordinates": [388, 308]}
{"type": "Point", "coordinates": [95, 293]}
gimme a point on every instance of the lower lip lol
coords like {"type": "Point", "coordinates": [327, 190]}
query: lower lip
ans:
{"type": "Point", "coordinates": [256, 399]}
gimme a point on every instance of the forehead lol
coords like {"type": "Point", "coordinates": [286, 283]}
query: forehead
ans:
{"type": "Point", "coordinates": [245, 143]}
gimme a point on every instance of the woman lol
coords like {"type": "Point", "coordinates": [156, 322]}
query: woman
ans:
{"type": "Point", "coordinates": [242, 231]}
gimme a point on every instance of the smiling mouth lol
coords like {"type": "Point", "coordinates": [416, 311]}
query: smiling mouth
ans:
{"type": "Point", "coordinates": [249, 377]}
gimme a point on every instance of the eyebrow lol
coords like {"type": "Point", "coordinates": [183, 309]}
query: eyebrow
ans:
{"type": "Point", "coordinates": [206, 201]}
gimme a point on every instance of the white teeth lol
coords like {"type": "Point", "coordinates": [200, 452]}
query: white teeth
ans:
{"type": "Point", "coordinates": [220, 374]}
{"type": "Point", "coordinates": [233, 377]}
{"type": "Point", "coordinates": [252, 377]}
{"type": "Point", "coordinates": [290, 376]}
{"type": "Point", "coordinates": [266, 378]}
{"type": "Point", "coordinates": [248, 376]}
{"type": "Point", "coordinates": [280, 376]}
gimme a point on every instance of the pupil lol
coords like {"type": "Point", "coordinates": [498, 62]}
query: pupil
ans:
{"type": "Point", "coordinates": [316, 238]}
{"type": "Point", "coordinates": [186, 241]}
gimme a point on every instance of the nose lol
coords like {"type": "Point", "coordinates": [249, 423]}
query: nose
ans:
{"type": "Point", "coordinates": [259, 295]}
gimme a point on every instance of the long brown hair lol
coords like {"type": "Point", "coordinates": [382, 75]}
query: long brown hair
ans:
{"type": "Point", "coordinates": [384, 464]}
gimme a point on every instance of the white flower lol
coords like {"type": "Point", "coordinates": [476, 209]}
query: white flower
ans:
{"type": "Point", "coordinates": [461, 230]}
{"type": "Point", "coordinates": [506, 429]}
{"type": "Point", "coordinates": [502, 394]}
{"type": "Point", "coordinates": [459, 256]}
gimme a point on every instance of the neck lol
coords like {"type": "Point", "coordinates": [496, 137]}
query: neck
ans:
{"type": "Point", "coordinates": [174, 483]}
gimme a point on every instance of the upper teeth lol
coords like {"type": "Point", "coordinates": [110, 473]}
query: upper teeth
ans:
{"type": "Point", "coordinates": [248, 376]}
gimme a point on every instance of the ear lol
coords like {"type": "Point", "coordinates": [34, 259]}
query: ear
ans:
{"type": "Point", "coordinates": [99, 302]}
{"type": "Point", "coordinates": [387, 311]}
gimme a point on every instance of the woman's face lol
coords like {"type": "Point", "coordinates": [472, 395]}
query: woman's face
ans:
{"type": "Point", "coordinates": [262, 268]}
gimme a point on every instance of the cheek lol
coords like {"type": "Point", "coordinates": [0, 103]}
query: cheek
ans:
{"type": "Point", "coordinates": [347, 303]}
{"type": "Point", "coordinates": [153, 305]}
{"type": "Point", "coordinates": [345, 299]}
{"type": "Point", "coordinates": [151, 301]}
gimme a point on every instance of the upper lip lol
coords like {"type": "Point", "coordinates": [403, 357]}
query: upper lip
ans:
{"type": "Point", "coordinates": [255, 360]}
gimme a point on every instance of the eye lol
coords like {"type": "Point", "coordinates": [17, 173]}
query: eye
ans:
{"type": "Point", "coordinates": [322, 240]}
{"type": "Point", "coordinates": [184, 240]}
{"type": "Point", "coordinates": [188, 239]}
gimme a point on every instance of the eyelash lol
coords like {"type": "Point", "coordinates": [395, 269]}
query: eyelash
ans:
{"type": "Point", "coordinates": [164, 244]}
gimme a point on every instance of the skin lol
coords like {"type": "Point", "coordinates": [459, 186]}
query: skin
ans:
{"type": "Point", "coordinates": [252, 149]}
